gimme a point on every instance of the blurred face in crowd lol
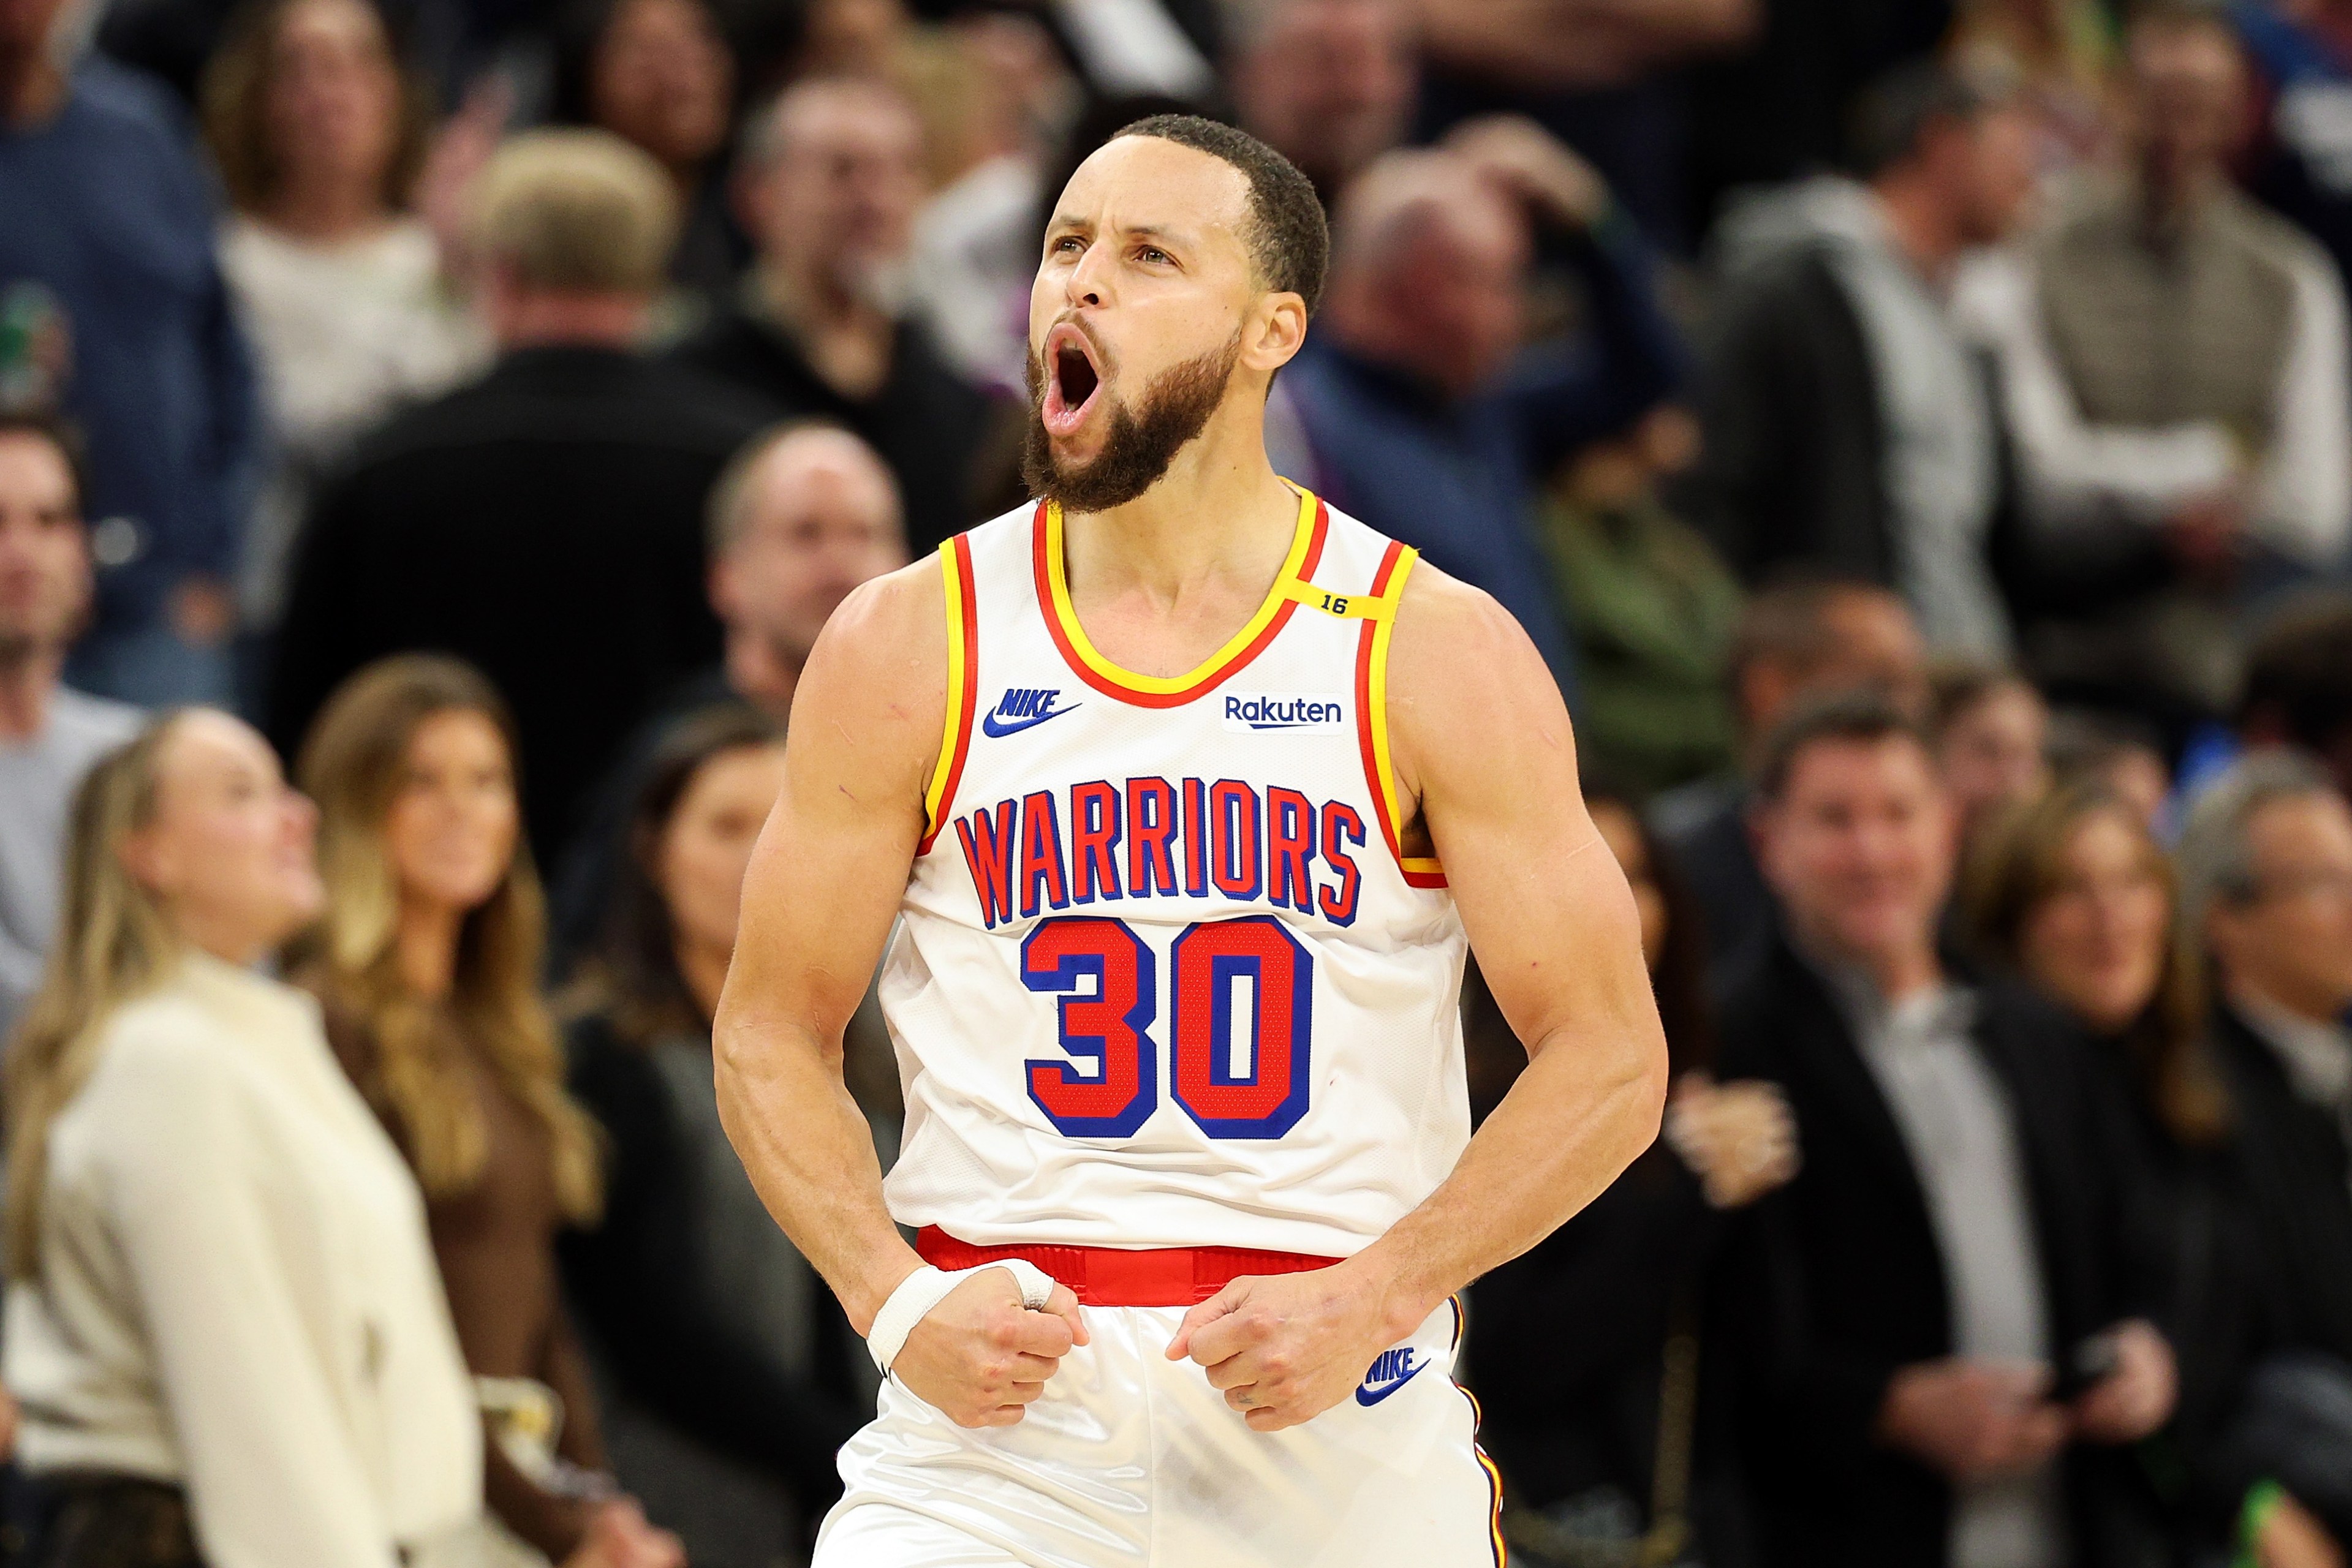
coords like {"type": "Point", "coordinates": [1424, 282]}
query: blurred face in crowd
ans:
{"type": "Point", "coordinates": [819, 516]}
{"type": "Point", "coordinates": [835, 201]}
{"type": "Point", "coordinates": [1870, 643]}
{"type": "Point", "coordinates": [2290, 943]}
{"type": "Point", "coordinates": [451, 830]}
{"type": "Point", "coordinates": [1860, 848]}
{"type": "Point", "coordinates": [1147, 302]}
{"type": "Point", "coordinates": [664, 78]}
{"type": "Point", "coordinates": [2189, 94]}
{"type": "Point", "coordinates": [707, 846]}
{"type": "Point", "coordinates": [1981, 168]}
{"type": "Point", "coordinates": [228, 852]}
{"type": "Point", "coordinates": [1328, 84]}
{"type": "Point", "coordinates": [2095, 940]}
{"type": "Point", "coordinates": [1622, 834]}
{"type": "Point", "coordinates": [44, 577]}
{"type": "Point", "coordinates": [333, 105]}
{"type": "Point", "coordinates": [1992, 750]}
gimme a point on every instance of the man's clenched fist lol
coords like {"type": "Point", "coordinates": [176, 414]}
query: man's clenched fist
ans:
{"type": "Point", "coordinates": [981, 1356]}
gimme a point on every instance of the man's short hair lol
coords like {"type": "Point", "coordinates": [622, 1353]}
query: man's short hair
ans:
{"type": "Point", "coordinates": [577, 210]}
{"type": "Point", "coordinates": [1290, 240]}
{"type": "Point", "coordinates": [767, 135]}
{"type": "Point", "coordinates": [62, 436]}
{"type": "Point", "coordinates": [1862, 718]}
{"type": "Point", "coordinates": [2215, 858]}
{"type": "Point", "coordinates": [1894, 113]}
{"type": "Point", "coordinates": [729, 506]}
{"type": "Point", "coordinates": [1787, 622]}
{"type": "Point", "coordinates": [2299, 672]}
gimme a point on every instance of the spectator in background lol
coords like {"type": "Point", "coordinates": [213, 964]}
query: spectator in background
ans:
{"type": "Point", "coordinates": [1964, 1225]}
{"type": "Point", "coordinates": [1593, 74]}
{"type": "Point", "coordinates": [2116, 752]}
{"type": "Point", "coordinates": [2173, 369]}
{"type": "Point", "coordinates": [2074, 894]}
{"type": "Point", "coordinates": [1653, 608]}
{"type": "Point", "coordinates": [832, 176]}
{"type": "Point", "coordinates": [319, 136]}
{"type": "Point", "coordinates": [2300, 162]}
{"type": "Point", "coordinates": [1425, 413]}
{"type": "Point", "coordinates": [223, 1313]}
{"type": "Point", "coordinates": [2298, 684]}
{"type": "Point", "coordinates": [543, 523]}
{"type": "Point", "coordinates": [49, 733]}
{"type": "Point", "coordinates": [799, 519]}
{"type": "Point", "coordinates": [1584, 1357]}
{"type": "Point", "coordinates": [738, 1377]}
{"type": "Point", "coordinates": [2057, 55]}
{"type": "Point", "coordinates": [426, 963]}
{"type": "Point", "coordinates": [1848, 427]}
{"type": "Point", "coordinates": [1990, 727]}
{"type": "Point", "coordinates": [660, 75]}
{"type": "Point", "coordinates": [1328, 84]}
{"type": "Point", "coordinates": [109, 246]}
{"type": "Point", "coordinates": [1797, 641]}
{"type": "Point", "coordinates": [2266, 885]}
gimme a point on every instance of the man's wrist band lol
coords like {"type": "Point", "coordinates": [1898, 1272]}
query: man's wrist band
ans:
{"type": "Point", "coordinates": [924, 1289]}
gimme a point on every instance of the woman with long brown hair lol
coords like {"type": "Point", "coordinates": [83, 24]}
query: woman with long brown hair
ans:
{"type": "Point", "coordinates": [426, 961]}
{"type": "Point", "coordinates": [205, 1224]}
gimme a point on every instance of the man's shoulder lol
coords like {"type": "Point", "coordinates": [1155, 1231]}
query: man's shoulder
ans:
{"type": "Point", "coordinates": [635, 402]}
{"type": "Point", "coordinates": [93, 725]}
{"type": "Point", "coordinates": [131, 103]}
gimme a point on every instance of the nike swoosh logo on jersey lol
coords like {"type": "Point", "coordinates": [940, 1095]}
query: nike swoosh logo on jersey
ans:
{"type": "Point", "coordinates": [1023, 708]}
{"type": "Point", "coordinates": [1391, 1372]}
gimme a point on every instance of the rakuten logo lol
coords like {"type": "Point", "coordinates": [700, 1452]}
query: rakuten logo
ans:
{"type": "Point", "coordinates": [1286, 710]}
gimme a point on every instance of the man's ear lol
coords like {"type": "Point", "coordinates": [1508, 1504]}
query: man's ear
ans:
{"type": "Point", "coordinates": [1274, 333]}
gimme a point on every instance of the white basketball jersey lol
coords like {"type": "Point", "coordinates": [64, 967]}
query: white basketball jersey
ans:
{"type": "Point", "coordinates": [1164, 978]}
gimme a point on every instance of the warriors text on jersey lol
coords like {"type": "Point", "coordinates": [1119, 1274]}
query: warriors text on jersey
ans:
{"type": "Point", "coordinates": [1165, 978]}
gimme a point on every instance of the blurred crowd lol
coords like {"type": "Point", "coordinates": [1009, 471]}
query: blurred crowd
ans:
{"type": "Point", "coordinates": [1917, 433]}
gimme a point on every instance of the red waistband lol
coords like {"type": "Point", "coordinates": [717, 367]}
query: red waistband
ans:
{"type": "Point", "coordinates": [1118, 1277]}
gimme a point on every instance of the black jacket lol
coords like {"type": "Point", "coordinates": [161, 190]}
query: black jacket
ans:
{"type": "Point", "coordinates": [927, 422]}
{"type": "Point", "coordinates": [1844, 1282]}
{"type": "Point", "coordinates": [544, 523]}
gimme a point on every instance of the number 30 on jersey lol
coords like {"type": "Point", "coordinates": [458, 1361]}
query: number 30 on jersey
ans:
{"type": "Point", "coordinates": [1213, 966]}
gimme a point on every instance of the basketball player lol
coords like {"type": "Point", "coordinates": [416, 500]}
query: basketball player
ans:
{"type": "Point", "coordinates": [1185, 789]}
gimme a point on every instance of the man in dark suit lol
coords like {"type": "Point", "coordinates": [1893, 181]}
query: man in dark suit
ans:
{"type": "Point", "coordinates": [2266, 880]}
{"type": "Point", "coordinates": [546, 522]}
{"type": "Point", "coordinates": [830, 178]}
{"type": "Point", "coordinates": [1953, 1288]}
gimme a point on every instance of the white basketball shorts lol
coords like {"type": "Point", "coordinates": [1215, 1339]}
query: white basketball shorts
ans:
{"type": "Point", "coordinates": [1131, 1460]}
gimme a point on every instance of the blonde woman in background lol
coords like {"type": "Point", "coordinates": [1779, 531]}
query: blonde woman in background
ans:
{"type": "Point", "coordinates": [427, 961]}
{"type": "Point", "coordinates": [223, 1319]}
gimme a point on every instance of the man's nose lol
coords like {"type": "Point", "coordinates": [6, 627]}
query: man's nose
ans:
{"type": "Point", "coordinates": [1089, 280]}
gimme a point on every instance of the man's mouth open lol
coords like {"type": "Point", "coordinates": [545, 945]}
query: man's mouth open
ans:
{"type": "Point", "coordinates": [1073, 380]}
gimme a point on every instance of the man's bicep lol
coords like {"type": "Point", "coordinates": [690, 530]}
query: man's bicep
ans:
{"type": "Point", "coordinates": [832, 862]}
{"type": "Point", "coordinates": [1550, 915]}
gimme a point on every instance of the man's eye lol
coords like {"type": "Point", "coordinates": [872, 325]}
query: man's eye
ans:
{"type": "Point", "coordinates": [1068, 243]}
{"type": "Point", "coordinates": [1151, 253]}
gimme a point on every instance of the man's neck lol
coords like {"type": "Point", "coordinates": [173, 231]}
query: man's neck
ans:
{"type": "Point", "coordinates": [32, 88]}
{"type": "Point", "coordinates": [2171, 193]}
{"type": "Point", "coordinates": [1897, 973]}
{"type": "Point", "coordinates": [759, 673]}
{"type": "Point", "coordinates": [28, 685]}
{"type": "Point", "coordinates": [1219, 515]}
{"type": "Point", "coordinates": [2256, 1001]}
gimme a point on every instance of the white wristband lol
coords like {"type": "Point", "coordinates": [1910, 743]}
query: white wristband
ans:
{"type": "Point", "coordinates": [924, 1289]}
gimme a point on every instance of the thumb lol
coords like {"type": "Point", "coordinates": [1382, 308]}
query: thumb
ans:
{"type": "Point", "coordinates": [1064, 1304]}
{"type": "Point", "coordinates": [1223, 1302]}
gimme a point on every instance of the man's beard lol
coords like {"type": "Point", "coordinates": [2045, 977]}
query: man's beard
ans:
{"type": "Point", "coordinates": [1175, 409]}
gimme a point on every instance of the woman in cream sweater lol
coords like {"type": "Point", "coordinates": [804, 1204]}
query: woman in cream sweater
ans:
{"type": "Point", "coordinates": [223, 1324]}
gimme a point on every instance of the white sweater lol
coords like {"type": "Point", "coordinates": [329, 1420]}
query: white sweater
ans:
{"type": "Point", "coordinates": [237, 1292]}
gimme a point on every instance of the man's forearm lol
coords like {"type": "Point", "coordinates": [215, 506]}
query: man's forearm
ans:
{"type": "Point", "coordinates": [809, 1153]}
{"type": "Point", "coordinates": [1568, 1128]}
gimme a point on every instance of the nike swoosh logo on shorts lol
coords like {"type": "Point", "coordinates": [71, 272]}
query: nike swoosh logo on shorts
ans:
{"type": "Point", "coordinates": [1370, 1396]}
